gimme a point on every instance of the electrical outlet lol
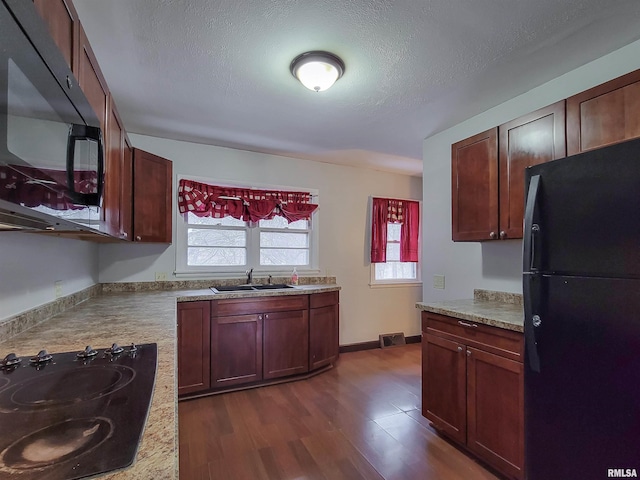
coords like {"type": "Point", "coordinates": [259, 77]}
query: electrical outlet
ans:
{"type": "Point", "coordinates": [57, 288]}
{"type": "Point", "coordinates": [161, 276]}
{"type": "Point", "coordinates": [438, 282]}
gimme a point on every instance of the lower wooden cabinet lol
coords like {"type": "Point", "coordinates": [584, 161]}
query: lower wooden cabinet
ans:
{"type": "Point", "coordinates": [473, 388]}
{"type": "Point", "coordinates": [249, 340]}
{"type": "Point", "coordinates": [286, 343]}
{"type": "Point", "coordinates": [324, 329]}
{"type": "Point", "coordinates": [193, 346]}
{"type": "Point", "coordinates": [236, 349]}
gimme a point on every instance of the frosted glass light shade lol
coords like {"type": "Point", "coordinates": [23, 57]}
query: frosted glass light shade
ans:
{"type": "Point", "coordinates": [317, 70]}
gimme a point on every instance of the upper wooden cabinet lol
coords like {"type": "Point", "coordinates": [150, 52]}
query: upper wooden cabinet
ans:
{"type": "Point", "coordinates": [535, 138]}
{"type": "Point", "coordinates": [474, 187]}
{"type": "Point", "coordinates": [115, 182]}
{"type": "Point", "coordinates": [152, 197]}
{"type": "Point", "coordinates": [62, 20]}
{"type": "Point", "coordinates": [488, 173]}
{"type": "Point", "coordinates": [603, 115]}
{"type": "Point", "coordinates": [91, 81]}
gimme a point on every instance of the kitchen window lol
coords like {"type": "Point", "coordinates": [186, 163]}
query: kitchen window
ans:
{"type": "Point", "coordinates": [212, 239]}
{"type": "Point", "coordinates": [394, 241]}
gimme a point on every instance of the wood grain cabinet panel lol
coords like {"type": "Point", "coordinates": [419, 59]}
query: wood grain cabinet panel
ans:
{"type": "Point", "coordinates": [324, 331]}
{"type": "Point", "coordinates": [62, 20]}
{"type": "Point", "coordinates": [604, 115]}
{"type": "Point", "coordinates": [236, 350]}
{"type": "Point", "coordinates": [444, 385]}
{"type": "Point", "coordinates": [193, 346]}
{"type": "Point", "coordinates": [285, 343]}
{"type": "Point", "coordinates": [529, 140]}
{"type": "Point", "coordinates": [474, 187]}
{"type": "Point", "coordinates": [115, 183]}
{"type": "Point", "coordinates": [473, 388]}
{"type": "Point", "coordinates": [152, 197]}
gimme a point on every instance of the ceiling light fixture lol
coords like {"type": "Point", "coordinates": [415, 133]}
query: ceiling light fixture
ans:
{"type": "Point", "coordinates": [317, 70]}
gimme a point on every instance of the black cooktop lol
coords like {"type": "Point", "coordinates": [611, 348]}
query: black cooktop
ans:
{"type": "Point", "coordinates": [73, 416]}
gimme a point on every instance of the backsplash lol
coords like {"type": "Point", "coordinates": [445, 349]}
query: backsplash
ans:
{"type": "Point", "coordinates": [19, 323]}
{"type": "Point", "coordinates": [493, 296]}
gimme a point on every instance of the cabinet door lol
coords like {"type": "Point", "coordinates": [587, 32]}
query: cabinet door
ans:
{"type": "Point", "coordinates": [529, 140]}
{"type": "Point", "coordinates": [286, 343]}
{"type": "Point", "coordinates": [474, 187]}
{"type": "Point", "coordinates": [152, 197]}
{"type": "Point", "coordinates": [126, 192]}
{"type": "Point", "coordinates": [193, 346]}
{"type": "Point", "coordinates": [444, 385]}
{"type": "Point", "coordinates": [92, 81]}
{"type": "Point", "coordinates": [495, 410]}
{"type": "Point", "coordinates": [114, 173]}
{"type": "Point", "coordinates": [62, 20]}
{"type": "Point", "coordinates": [603, 115]}
{"type": "Point", "coordinates": [236, 350]}
{"type": "Point", "coordinates": [323, 336]}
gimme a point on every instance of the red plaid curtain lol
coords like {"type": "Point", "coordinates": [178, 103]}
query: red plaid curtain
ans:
{"type": "Point", "coordinates": [245, 204]}
{"type": "Point", "coordinates": [390, 210]}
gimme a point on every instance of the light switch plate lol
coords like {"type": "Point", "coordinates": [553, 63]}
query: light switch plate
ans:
{"type": "Point", "coordinates": [438, 282]}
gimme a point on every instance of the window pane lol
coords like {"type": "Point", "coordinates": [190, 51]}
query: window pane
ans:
{"type": "Point", "coordinates": [393, 232]}
{"type": "Point", "coordinates": [284, 239]}
{"type": "Point", "coordinates": [216, 238]}
{"type": "Point", "coordinates": [216, 256]}
{"type": "Point", "coordinates": [281, 222]}
{"type": "Point", "coordinates": [396, 271]}
{"type": "Point", "coordinates": [275, 256]}
{"type": "Point", "coordinates": [226, 221]}
{"type": "Point", "coordinates": [393, 252]}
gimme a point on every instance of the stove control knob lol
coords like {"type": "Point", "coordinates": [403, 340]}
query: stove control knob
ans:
{"type": "Point", "coordinates": [88, 352]}
{"type": "Point", "coordinates": [42, 357]}
{"type": "Point", "coordinates": [115, 349]}
{"type": "Point", "coordinates": [10, 360]}
{"type": "Point", "coordinates": [133, 348]}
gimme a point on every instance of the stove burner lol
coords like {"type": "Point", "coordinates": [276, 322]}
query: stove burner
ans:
{"type": "Point", "coordinates": [62, 388]}
{"type": "Point", "coordinates": [57, 443]}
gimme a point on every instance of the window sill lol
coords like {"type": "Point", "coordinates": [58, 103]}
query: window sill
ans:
{"type": "Point", "coordinates": [395, 284]}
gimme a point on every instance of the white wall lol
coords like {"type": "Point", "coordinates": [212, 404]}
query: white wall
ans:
{"type": "Point", "coordinates": [30, 264]}
{"type": "Point", "coordinates": [491, 265]}
{"type": "Point", "coordinates": [344, 193]}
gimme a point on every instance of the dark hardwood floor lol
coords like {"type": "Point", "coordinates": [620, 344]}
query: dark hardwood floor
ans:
{"type": "Point", "coordinates": [360, 420]}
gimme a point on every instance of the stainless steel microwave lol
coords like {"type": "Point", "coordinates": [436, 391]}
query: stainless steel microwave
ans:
{"type": "Point", "coordinates": [51, 147]}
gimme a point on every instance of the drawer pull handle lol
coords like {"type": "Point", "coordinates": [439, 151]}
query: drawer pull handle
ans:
{"type": "Point", "coordinates": [465, 324]}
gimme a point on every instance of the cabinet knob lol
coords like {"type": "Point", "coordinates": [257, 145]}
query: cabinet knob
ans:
{"type": "Point", "coordinates": [493, 235]}
{"type": "Point", "coordinates": [459, 349]}
{"type": "Point", "coordinates": [468, 353]}
{"type": "Point", "coordinates": [266, 316]}
{"type": "Point", "coordinates": [259, 317]}
{"type": "Point", "coordinates": [138, 238]}
{"type": "Point", "coordinates": [503, 235]}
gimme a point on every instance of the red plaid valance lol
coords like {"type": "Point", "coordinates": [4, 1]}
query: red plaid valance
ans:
{"type": "Point", "coordinates": [245, 204]}
{"type": "Point", "coordinates": [34, 187]}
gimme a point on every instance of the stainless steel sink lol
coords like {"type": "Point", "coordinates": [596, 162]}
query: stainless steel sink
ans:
{"type": "Point", "coordinates": [231, 288]}
{"type": "Point", "coordinates": [244, 288]}
{"type": "Point", "coordinates": [271, 286]}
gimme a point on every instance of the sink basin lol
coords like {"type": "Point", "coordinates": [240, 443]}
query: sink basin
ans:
{"type": "Point", "coordinates": [231, 288]}
{"type": "Point", "coordinates": [244, 288]}
{"type": "Point", "coordinates": [272, 286]}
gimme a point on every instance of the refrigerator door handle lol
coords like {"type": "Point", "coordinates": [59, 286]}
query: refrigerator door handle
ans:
{"type": "Point", "coordinates": [531, 230]}
{"type": "Point", "coordinates": [531, 294]}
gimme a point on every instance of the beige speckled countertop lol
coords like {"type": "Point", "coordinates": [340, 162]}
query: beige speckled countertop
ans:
{"type": "Point", "coordinates": [486, 307]}
{"type": "Point", "coordinates": [140, 317]}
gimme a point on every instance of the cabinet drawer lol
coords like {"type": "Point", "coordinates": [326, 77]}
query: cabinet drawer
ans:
{"type": "Point", "coordinates": [491, 339]}
{"type": "Point", "coordinates": [243, 306]}
{"type": "Point", "coordinates": [319, 300]}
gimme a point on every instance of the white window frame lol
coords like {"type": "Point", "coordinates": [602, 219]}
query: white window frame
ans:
{"type": "Point", "coordinates": [399, 282]}
{"type": "Point", "coordinates": [253, 240]}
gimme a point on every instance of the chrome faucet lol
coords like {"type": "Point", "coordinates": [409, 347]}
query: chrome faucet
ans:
{"type": "Point", "coordinates": [249, 276]}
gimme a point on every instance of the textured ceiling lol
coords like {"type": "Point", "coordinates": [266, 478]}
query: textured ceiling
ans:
{"type": "Point", "coordinates": [217, 72]}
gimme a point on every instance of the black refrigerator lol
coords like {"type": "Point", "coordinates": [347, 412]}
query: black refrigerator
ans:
{"type": "Point", "coordinates": [581, 286]}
